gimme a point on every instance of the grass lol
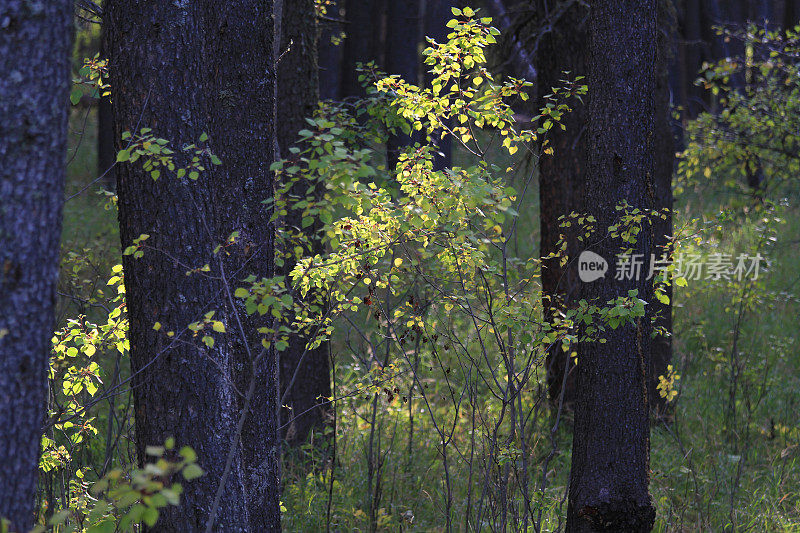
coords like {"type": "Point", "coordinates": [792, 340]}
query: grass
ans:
{"type": "Point", "coordinates": [728, 461]}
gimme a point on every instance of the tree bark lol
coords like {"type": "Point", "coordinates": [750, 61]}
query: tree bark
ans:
{"type": "Point", "coordinates": [691, 60]}
{"type": "Point", "coordinates": [184, 68]}
{"type": "Point", "coordinates": [402, 57]}
{"type": "Point", "coordinates": [778, 8]}
{"type": "Point", "coordinates": [664, 165]}
{"type": "Point", "coordinates": [106, 155]}
{"type": "Point", "coordinates": [330, 55]}
{"type": "Point", "coordinates": [521, 60]}
{"type": "Point", "coordinates": [792, 13]}
{"type": "Point", "coordinates": [33, 144]}
{"type": "Point", "coordinates": [610, 454]}
{"type": "Point", "coordinates": [358, 44]}
{"type": "Point", "coordinates": [561, 177]}
{"type": "Point", "coordinates": [308, 373]}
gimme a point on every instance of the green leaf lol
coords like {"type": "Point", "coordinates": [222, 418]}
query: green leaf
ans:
{"type": "Point", "coordinates": [155, 451]}
{"type": "Point", "coordinates": [150, 516]}
{"type": "Point", "coordinates": [76, 95]}
{"type": "Point", "coordinates": [106, 526]}
{"type": "Point", "coordinates": [192, 471]}
{"type": "Point", "coordinates": [188, 454]}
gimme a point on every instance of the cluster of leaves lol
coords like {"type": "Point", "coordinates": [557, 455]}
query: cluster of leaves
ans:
{"type": "Point", "coordinates": [120, 500]}
{"type": "Point", "coordinates": [666, 384]}
{"type": "Point", "coordinates": [93, 76]}
{"type": "Point", "coordinates": [75, 370]}
{"type": "Point", "coordinates": [750, 141]}
{"type": "Point", "coordinates": [156, 154]}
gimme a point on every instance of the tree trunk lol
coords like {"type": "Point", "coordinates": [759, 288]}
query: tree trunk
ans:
{"type": "Point", "coordinates": [691, 60]}
{"type": "Point", "coordinates": [330, 55]}
{"type": "Point", "coordinates": [184, 68]}
{"type": "Point", "coordinates": [520, 59]}
{"type": "Point", "coordinates": [402, 57]}
{"type": "Point", "coordinates": [792, 13]}
{"type": "Point", "coordinates": [664, 164]}
{"type": "Point", "coordinates": [608, 488]}
{"type": "Point", "coordinates": [106, 155]}
{"type": "Point", "coordinates": [307, 373]}
{"type": "Point", "coordinates": [761, 13]}
{"type": "Point", "coordinates": [358, 44]}
{"type": "Point", "coordinates": [561, 177]}
{"type": "Point", "coordinates": [437, 14]}
{"type": "Point", "coordinates": [33, 144]}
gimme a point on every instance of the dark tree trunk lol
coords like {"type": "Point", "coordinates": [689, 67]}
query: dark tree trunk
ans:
{"type": "Point", "coordinates": [792, 13]}
{"type": "Point", "coordinates": [520, 59]}
{"type": "Point", "coordinates": [34, 107]}
{"type": "Point", "coordinates": [608, 488]}
{"type": "Point", "coordinates": [735, 14]}
{"type": "Point", "coordinates": [717, 47]}
{"type": "Point", "coordinates": [183, 68]}
{"type": "Point", "coordinates": [690, 55]}
{"type": "Point", "coordinates": [674, 73]}
{"type": "Point", "coordinates": [664, 164]}
{"type": "Point", "coordinates": [778, 8]}
{"type": "Point", "coordinates": [330, 55]}
{"type": "Point", "coordinates": [358, 44]}
{"type": "Point", "coordinates": [761, 13]}
{"type": "Point", "coordinates": [732, 13]}
{"type": "Point", "coordinates": [305, 376]}
{"type": "Point", "coordinates": [561, 177]}
{"type": "Point", "coordinates": [379, 20]}
{"type": "Point", "coordinates": [437, 14]}
{"type": "Point", "coordinates": [106, 155]}
{"type": "Point", "coordinates": [402, 57]}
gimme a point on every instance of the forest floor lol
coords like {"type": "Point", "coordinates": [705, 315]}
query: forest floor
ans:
{"type": "Point", "coordinates": [729, 456]}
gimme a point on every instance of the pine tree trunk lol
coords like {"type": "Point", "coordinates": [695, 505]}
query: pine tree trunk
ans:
{"type": "Point", "coordinates": [106, 155]}
{"type": "Point", "coordinates": [437, 14]}
{"type": "Point", "coordinates": [330, 55]}
{"type": "Point", "coordinates": [305, 375]}
{"type": "Point", "coordinates": [358, 44]}
{"type": "Point", "coordinates": [402, 38]}
{"type": "Point", "coordinates": [184, 68]}
{"type": "Point", "coordinates": [610, 454]}
{"type": "Point", "coordinates": [664, 165]}
{"type": "Point", "coordinates": [35, 50]}
{"type": "Point", "coordinates": [792, 16]}
{"type": "Point", "coordinates": [778, 8]}
{"type": "Point", "coordinates": [561, 178]}
{"type": "Point", "coordinates": [690, 55]}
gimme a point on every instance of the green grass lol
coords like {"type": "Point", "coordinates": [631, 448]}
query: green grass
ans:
{"type": "Point", "coordinates": [90, 232]}
{"type": "Point", "coordinates": [707, 473]}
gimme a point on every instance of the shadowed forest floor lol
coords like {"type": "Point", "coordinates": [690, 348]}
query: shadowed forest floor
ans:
{"type": "Point", "coordinates": [730, 455]}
